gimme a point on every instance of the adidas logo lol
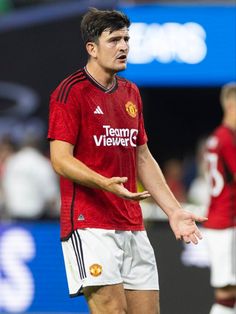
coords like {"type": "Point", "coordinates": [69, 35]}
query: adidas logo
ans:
{"type": "Point", "coordinates": [81, 217]}
{"type": "Point", "coordinates": [98, 110]}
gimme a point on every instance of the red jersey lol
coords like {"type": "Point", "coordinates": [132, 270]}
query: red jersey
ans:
{"type": "Point", "coordinates": [221, 163]}
{"type": "Point", "coordinates": [105, 126]}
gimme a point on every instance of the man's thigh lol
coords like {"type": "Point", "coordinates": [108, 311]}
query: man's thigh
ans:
{"type": "Point", "coordinates": [109, 299]}
{"type": "Point", "coordinates": [113, 299]}
{"type": "Point", "coordinates": [142, 302]}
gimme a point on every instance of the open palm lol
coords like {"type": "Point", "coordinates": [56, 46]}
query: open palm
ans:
{"type": "Point", "coordinates": [183, 224]}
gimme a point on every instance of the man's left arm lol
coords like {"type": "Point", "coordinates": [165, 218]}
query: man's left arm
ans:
{"type": "Point", "coordinates": [181, 221]}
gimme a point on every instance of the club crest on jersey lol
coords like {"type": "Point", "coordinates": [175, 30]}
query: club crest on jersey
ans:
{"type": "Point", "coordinates": [95, 270]}
{"type": "Point", "coordinates": [131, 109]}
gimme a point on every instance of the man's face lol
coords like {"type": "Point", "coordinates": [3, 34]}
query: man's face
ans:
{"type": "Point", "coordinates": [112, 50]}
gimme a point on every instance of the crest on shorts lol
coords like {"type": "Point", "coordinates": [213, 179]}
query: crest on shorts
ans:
{"type": "Point", "coordinates": [95, 270]}
{"type": "Point", "coordinates": [131, 109]}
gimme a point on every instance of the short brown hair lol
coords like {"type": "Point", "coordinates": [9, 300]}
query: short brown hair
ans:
{"type": "Point", "coordinates": [227, 92]}
{"type": "Point", "coordinates": [95, 21]}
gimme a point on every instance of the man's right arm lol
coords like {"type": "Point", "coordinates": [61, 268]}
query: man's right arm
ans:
{"type": "Point", "coordinates": [66, 165]}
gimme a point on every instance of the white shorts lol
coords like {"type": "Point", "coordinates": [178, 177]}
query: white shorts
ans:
{"type": "Point", "coordinates": [221, 245]}
{"type": "Point", "coordinates": [98, 257]}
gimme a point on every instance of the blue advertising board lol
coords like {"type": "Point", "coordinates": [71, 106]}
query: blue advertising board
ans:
{"type": "Point", "coordinates": [33, 280]}
{"type": "Point", "coordinates": [32, 274]}
{"type": "Point", "coordinates": [181, 45]}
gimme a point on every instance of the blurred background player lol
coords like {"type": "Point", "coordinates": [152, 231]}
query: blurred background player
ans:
{"type": "Point", "coordinates": [29, 185]}
{"type": "Point", "coordinates": [221, 225]}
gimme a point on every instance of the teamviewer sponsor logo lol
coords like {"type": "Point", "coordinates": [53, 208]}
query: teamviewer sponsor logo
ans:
{"type": "Point", "coordinates": [116, 137]}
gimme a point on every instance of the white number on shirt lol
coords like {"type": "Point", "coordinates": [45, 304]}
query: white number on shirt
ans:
{"type": "Point", "coordinates": [216, 180]}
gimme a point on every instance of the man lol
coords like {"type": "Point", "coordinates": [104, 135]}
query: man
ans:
{"type": "Point", "coordinates": [98, 146]}
{"type": "Point", "coordinates": [221, 225]}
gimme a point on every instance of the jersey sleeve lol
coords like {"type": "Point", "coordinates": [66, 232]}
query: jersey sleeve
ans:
{"type": "Point", "coordinates": [142, 136]}
{"type": "Point", "coordinates": [64, 119]}
{"type": "Point", "coordinates": [228, 151]}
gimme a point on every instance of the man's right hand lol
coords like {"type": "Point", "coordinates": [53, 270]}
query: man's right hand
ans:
{"type": "Point", "coordinates": [116, 185]}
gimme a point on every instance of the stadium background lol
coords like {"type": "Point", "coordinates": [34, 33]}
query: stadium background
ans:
{"type": "Point", "coordinates": [40, 44]}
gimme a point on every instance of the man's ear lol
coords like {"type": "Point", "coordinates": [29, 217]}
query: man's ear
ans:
{"type": "Point", "coordinates": [91, 48]}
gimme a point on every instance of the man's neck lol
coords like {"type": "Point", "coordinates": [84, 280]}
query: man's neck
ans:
{"type": "Point", "coordinates": [229, 123]}
{"type": "Point", "coordinates": [104, 78]}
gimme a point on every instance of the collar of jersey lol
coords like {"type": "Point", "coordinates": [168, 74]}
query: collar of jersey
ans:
{"type": "Point", "coordinates": [98, 85]}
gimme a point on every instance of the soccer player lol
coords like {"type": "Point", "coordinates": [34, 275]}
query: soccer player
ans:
{"type": "Point", "coordinates": [99, 147]}
{"type": "Point", "coordinates": [221, 225]}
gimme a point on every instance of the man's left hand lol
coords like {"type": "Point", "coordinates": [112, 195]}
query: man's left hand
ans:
{"type": "Point", "coordinates": [183, 224]}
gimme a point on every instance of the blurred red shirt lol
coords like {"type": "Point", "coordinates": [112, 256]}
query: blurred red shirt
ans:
{"type": "Point", "coordinates": [221, 163]}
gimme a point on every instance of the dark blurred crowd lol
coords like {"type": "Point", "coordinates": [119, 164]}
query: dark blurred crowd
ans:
{"type": "Point", "coordinates": [187, 178]}
{"type": "Point", "coordinates": [8, 5]}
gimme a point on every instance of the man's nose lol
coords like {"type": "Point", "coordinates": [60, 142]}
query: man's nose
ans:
{"type": "Point", "coordinates": [124, 45]}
